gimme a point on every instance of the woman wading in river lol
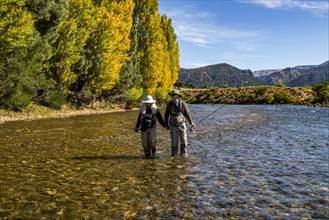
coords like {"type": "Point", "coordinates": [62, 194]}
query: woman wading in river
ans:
{"type": "Point", "coordinates": [146, 122]}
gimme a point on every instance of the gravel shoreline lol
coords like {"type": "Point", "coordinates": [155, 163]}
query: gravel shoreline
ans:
{"type": "Point", "coordinates": [18, 116]}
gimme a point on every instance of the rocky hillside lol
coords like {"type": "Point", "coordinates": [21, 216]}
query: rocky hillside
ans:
{"type": "Point", "coordinates": [313, 76]}
{"type": "Point", "coordinates": [218, 75]}
{"type": "Point", "coordinates": [299, 75]}
{"type": "Point", "coordinates": [282, 77]}
{"type": "Point", "coordinates": [221, 75]}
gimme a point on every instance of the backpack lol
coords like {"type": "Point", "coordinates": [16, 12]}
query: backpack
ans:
{"type": "Point", "coordinates": [148, 120]}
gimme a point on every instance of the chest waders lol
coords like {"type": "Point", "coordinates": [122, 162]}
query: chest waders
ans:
{"type": "Point", "coordinates": [149, 135]}
{"type": "Point", "coordinates": [177, 131]}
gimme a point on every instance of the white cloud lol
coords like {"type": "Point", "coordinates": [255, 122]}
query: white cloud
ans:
{"type": "Point", "coordinates": [198, 28]}
{"type": "Point", "coordinates": [319, 6]}
{"type": "Point", "coordinates": [206, 34]}
{"type": "Point", "coordinates": [195, 64]}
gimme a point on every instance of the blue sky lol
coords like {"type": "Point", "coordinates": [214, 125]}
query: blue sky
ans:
{"type": "Point", "coordinates": [250, 34]}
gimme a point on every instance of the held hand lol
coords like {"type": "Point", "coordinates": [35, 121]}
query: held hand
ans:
{"type": "Point", "coordinates": [193, 125]}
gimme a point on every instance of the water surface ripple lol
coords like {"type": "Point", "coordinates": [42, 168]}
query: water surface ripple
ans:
{"type": "Point", "coordinates": [245, 162]}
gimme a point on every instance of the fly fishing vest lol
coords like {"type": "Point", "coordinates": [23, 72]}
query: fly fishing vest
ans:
{"type": "Point", "coordinates": [148, 120]}
{"type": "Point", "coordinates": [176, 114]}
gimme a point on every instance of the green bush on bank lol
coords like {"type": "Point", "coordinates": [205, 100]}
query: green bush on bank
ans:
{"type": "Point", "coordinates": [53, 99]}
{"type": "Point", "coordinates": [282, 98]}
{"type": "Point", "coordinates": [322, 93]}
{"type": "Point", "coordinates": [315, 95]}
{"type": "Point", "coordinates": [16, 100]}
{"type": "Point", "coordinates": [132, 97]}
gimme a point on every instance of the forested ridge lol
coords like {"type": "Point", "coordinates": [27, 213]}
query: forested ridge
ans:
{"type": "Point", "coordinates": [57, 51]}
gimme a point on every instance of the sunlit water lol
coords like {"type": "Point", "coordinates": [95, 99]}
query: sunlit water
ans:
{"type": "Point", "coordinates": [245, 162]}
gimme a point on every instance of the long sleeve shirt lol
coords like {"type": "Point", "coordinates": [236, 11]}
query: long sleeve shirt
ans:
{"type": "Point", "coordinates": [175, 108]}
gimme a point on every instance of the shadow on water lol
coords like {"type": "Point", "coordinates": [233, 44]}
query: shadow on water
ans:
{"type": "Point", "coordinates": [109, 157]}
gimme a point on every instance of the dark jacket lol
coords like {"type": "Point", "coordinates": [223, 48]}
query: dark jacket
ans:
{"type": "Point", "coordinates": [141, 122]}
{"type": "Point", "coordinates": [172, 110]}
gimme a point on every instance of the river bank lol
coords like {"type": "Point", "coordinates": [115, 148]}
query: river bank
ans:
{"type": "Point", "coordinates": [266, 95]}
{"type": "Point", "coordinates": [273, 95]}
{"type": "Point", "coordinates": [40, 112]}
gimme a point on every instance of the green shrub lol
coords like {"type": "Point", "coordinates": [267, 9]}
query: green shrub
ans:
{"type": "Point", "coordinates": [16, 100]}
{"type": "Point", "coordinates": [260, 91]}
{"type": "Point", "coordinates": [282, 98]}
{"type": "Point", "coordinates": [322, 93]}
{"type": "Point", "coordinates": [211, 99]}
{"type": "Point", "coordinates": [132, 96]}
{"type": "Point", "coordinates": [53, 99]}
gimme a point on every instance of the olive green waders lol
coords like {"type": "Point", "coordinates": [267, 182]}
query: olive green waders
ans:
{"type": "Point", "coordinates": [149, 142]}
{"type": "Point", "coordinates": [178, 134]}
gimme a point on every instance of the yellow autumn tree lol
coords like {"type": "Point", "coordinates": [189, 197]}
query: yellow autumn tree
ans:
{"type": "Point", "coordinates": [150, 43]}
{"type": "Point", "coordinates": [16, 25]}
{"type": "Point", "coordinates": [110, 43]}
{"type": "Point", "coordinates": [73, 35]}
{"type": "Point", "coordinates": [172, 48]}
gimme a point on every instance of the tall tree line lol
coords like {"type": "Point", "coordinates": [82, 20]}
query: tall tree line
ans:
{"type": "Point", "coordinates": [52, 51]}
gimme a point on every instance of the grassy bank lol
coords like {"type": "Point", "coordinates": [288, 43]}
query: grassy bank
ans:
{"type": "Point", "coordinates": [312, 96]}
{"type": "Point", "coordinates": [37, 112]}
{"type": "Point", "coordinates": [258, 95]}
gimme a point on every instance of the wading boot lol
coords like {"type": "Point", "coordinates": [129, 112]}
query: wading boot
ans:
{"type": "Point", "coordinates": [184, 154]}
{"type": "Point", "coordinates": [147, 153]}
{"type": "Point", "coordinates": [154, 154]}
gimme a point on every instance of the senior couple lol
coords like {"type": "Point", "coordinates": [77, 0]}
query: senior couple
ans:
{"type": "Point", "coordinates": [174, 120]}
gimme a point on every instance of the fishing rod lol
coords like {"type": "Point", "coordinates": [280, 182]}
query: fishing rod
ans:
{"type": "Point", "coordinates": [208, 116]}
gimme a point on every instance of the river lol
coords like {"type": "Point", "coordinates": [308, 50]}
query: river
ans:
{"type": "Point", "coordinates": [245, 162]}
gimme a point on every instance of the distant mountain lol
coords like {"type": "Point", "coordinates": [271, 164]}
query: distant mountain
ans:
{"type": "Point", "coordinates": [298, 76]}
{"type": "Point", "coordinates": [259, 73]}
{"type": "Point", "coordinates": [217, 75]}
{"type": "Point", "coordinates": [282, 77]}
{"type": "Point", "coordinates": [223, 74]}
{"type": "Point", "coordinates": [315, 75]}
{"type": "Point", "coordinates": [262, 73]}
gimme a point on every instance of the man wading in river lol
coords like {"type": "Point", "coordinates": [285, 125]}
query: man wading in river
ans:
{"type": "Point", "coordinates": [148, 115]}
{"type": "Point", "coordinates": [175, 115]}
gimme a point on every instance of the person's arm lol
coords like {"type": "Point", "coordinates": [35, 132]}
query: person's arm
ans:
{"type": "Point", "coordinates": [187, 114]}
{"type": "Point", "coordinates": [167, 112]}
{"type": "Point", "coordinates": [160, 119]}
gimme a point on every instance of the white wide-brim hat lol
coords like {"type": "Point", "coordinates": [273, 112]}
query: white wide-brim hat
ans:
{"type": "Point", "coordinates": [149, 99]}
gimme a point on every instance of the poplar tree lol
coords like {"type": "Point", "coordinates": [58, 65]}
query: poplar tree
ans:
{"type": "Point", "coordinates": [172, 48]}
{"type": "Point", "coordinates": [73, 35]}
{"type": "Point", "coordinates": [16, 28]}
{"type": "Point", "coordinates": [151, 47]}
{"type": "Point", "coordinates": [130, 75]}
{"type": "Point", "coordinates": [107, 48]}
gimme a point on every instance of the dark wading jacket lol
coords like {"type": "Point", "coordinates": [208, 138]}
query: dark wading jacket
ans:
{"type": "Point", "coordinates": [172, 110]}
{"type": "Point", "coordinates": [141, 122]}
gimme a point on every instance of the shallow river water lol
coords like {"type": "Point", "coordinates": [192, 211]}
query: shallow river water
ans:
{"type": "Point", "coordinates": [245, 162]}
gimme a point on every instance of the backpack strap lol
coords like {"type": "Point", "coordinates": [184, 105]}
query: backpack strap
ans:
{"type": "Point", "coordinates": [179, 107]}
